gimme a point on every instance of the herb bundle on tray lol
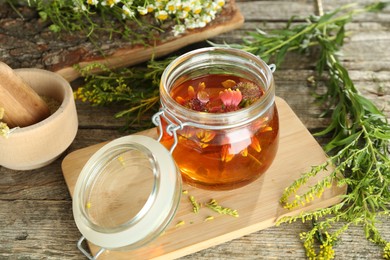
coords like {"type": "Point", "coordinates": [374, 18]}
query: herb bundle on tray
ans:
{"type": "Point", "coordinates": [359, 132]}
{"type": "Point", "coordinates": [138, 21]}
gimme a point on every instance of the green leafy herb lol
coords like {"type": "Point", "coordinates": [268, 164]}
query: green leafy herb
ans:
{"type": "Point", "coordinates": [360, 144]}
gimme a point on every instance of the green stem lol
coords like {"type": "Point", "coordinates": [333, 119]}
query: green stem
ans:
{"type": "Point", "coordinates": [317, 25]}
{"type": "Point", "coordinates": [290, 39]}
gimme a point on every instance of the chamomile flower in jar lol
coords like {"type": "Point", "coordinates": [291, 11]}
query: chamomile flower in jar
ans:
{"type": "Point", "coordinates": [219, 116]}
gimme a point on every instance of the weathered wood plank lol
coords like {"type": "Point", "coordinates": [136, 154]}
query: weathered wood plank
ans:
{"type": "Point", "coordinates": [45, 183]}
{"type": "Point", "coordinates": [276, 11]}
{"type": "Point", "coordinates": [48, 183]}
{"type": "Point", "coordinates": [38, 229]}
{"type": "Point", "coordinates": [45, 229]}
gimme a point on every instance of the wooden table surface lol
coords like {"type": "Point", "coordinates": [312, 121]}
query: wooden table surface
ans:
{"type": "Point", "coordinates": [36, 220]}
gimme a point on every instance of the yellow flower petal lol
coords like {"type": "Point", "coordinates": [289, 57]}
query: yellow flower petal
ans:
{"type": "Point", "coordinates": [191, 92]}
{"type": "Point", "coordinates": [266, 129]}
{"type": "Point", "coordinates": [204, 137]}
{"type": "Point", "coordinates": [201, 86]}
{"type": "Point", "coordinates": [229, 83]}
{"type": "Point", "coordinates": [180, 100]}
{"type": "Point", "coordinates": [225, 155]}
{"type": "Point", "coordinates": [255, 144]}
{"type": "Point", "coordinates": [187, 132]}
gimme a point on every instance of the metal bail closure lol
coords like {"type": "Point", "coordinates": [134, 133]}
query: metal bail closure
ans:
{"type": "Point", "coordinates": [121, 190]}
{"type": "Point", "coordinates": [272, 67]}
{"type": "Point", "coordinates": [173, 124]}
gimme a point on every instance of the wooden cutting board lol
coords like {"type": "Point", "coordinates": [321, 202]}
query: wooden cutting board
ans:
{"type": "Point", "coordinates": [257, 203]}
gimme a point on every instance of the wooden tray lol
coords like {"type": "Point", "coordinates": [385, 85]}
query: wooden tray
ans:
{"type": "Point", "coordinates": [229, 19]}
{"type": "Point", "coordinates": [257, 203]}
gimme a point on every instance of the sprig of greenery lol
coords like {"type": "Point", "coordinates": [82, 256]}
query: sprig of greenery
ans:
{"type": "Point", "coordinates": [136, 87]}
{"type": "Point", "coordinates": [277, 43]}
{"type": "Point", "coordinates": [360, 143]}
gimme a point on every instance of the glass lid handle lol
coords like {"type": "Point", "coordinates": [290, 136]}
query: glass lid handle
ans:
{"type": "Point", "coordinates": [173, 124]}
{"type": "Point", "coordinates": [85, 252]}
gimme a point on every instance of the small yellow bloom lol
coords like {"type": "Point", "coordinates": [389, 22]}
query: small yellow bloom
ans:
{"type": "Point", "coordinates": [150, 8]}
{"type": "Point", "coordinates": [197, 9]}
{"type": "Point", "coordinates": [92, 2]}
{"type": "Point", "coordinates": [183, 14]}
{"type": "Point", "coordinates": [162, 15]}
{"type": "Point", "coordinates": [110, 3]}
{"type": "Point", "coordinates": [142, 10]}
{"type": "Point", "coordinates": [221, 2]}
{"type": "Point", "coordinates": [186, 7]}
{"type": "Point", "coordinates": [127, 13]}
{"type": "Point", "coordinates": [170, 7]}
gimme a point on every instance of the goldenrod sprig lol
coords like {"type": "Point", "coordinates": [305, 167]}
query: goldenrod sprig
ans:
{"type": "Point", "coordinates": [213, 205]}
{"type": "Point", "coordinates": [195, 204]}
{"type": "Point", "coordinates": [136, 88]}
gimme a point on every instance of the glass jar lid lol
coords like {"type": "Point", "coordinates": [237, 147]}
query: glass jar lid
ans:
{"type": "Point", "coordinates": [127, 193]}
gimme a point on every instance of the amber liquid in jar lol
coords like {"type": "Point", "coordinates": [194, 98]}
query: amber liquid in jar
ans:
{"type": "Point", "coordinates": [229, 158]}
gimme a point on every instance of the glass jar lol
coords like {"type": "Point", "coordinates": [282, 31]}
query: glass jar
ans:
{"type": "Point", "coordinates": [219, 151]}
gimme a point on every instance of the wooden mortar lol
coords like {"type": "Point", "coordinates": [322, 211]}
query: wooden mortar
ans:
{"type": "Point", "coordinates": [22, 105]}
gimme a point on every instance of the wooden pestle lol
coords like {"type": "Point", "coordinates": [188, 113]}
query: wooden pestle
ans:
{"type": "Point", "coordinates": [22, 105]}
